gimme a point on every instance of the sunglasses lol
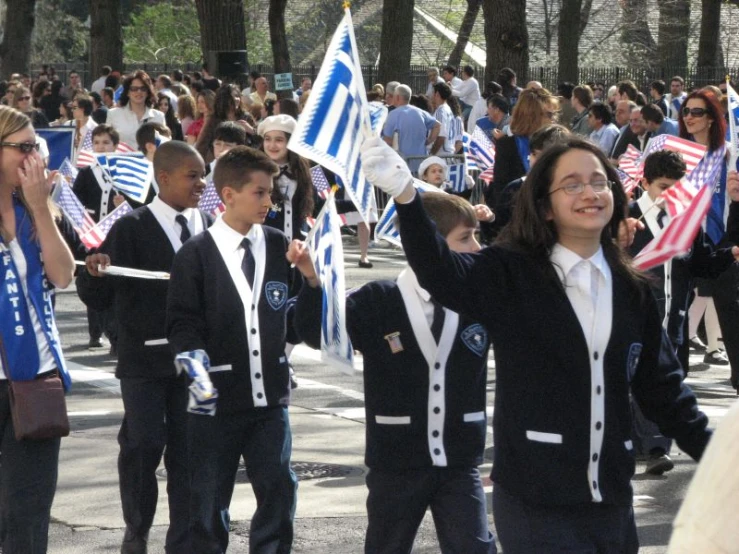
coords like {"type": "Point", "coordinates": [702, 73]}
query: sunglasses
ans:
{"type": "Point", "coordinates": [138, 89]}
{"type": "Point", "coordinates": [25, 147]}
{"type": "Point", "coordinates": [26, 98]}
{"type": "Point", "coordinates": [695, 112]}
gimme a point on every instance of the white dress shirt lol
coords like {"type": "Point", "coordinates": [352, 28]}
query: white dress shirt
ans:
{"type": "Point", "coordinates": [166, 214]}
{"type": "Point", "coordinates": [589, 288]}
{"type": "Point", "coordinates": [126, 122]}
{"type": "Point", "coordinates": [468, 91]}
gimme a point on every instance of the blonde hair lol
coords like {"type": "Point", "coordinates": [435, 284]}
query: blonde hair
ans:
{"type": "Point", "coordinates": [11, 122]}
{"type": "Point", "coordinates": [529, 113]}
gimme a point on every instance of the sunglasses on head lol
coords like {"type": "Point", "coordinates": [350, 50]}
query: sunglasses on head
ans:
{"type": "Point", "coordinates": [695, 112]}
{"type": "Point", "coordinates": [25, 147]}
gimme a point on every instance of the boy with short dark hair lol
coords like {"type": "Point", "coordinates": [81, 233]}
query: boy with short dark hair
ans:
{"type": "Point", "coordinates": [154, 396]}
{"type": "Point", "coordinates": [228, 315]}
{"type": "Point", "coordinates": [227, 135]}
{"type": "Point", "coordinates": [425, 372]}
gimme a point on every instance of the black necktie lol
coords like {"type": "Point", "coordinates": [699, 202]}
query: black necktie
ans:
{"type": "Point", "coordinates": [247, 264]}
{"type": "Point", "coordinates": [438, 323]}
{"type": "Point", "coordinates": [184, 232]}
{"type": "Point", "coordinates": [661, 218]}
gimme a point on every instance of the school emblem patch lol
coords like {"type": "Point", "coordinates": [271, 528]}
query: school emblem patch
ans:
{"type": "Point", "coordinates": [276, 294]}
{"type": "Point", "coordinates": [633, 360]}
{"type": "Point", "coordinates": [475, 337]}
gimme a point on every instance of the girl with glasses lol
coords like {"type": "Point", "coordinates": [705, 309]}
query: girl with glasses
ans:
{"type": "Point", "coordinates": [28, 231]}
{"type": "Point", "coordinates": [575, 329]}
{"type": "Point", "coordinates": [23, 102]}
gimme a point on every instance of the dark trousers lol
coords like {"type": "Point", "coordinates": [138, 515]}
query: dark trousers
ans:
{"type": "Point", "coordinates": [28, 476]}
{"type": "Point", "coordinates": [397, 502]}
{"type": "Point", "coordinates": [581, 529]}
{"type": "Point", "coordinates": [155, 422]}
{"type": "Point", "coordinates": [726, 300]}
{"type": "Point", "coordinates": [217, 443]}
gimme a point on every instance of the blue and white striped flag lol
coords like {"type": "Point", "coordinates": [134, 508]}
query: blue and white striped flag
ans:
{"type": "Point", "coordinates": [336, 118]}
{"type": "Point", "coordinates": [131, 174]}
{"type": "Point", "coordinates": [327, 253]}
{"type": "Point", "coordinates": [733, 99]}
{"type": "Point", "coordinates": [457, 179]}
{"type": "Point", "coordinates": [387, 228]}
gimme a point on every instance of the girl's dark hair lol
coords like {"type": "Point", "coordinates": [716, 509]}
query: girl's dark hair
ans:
{"type": "Point", "coordinates": [170, 118]}
{"type": "Point", "coordinates": [453, 102]}
{"type": "Point", "coordinates": [225, 105]}
{"type": "Point", "coordinates": [421, 102]}
{"type": "Point", "coordinates": [299, 169]}
{"type": "Point", "coordinates": [532, 233]}
{"type": "Point", "coordinates": [288, 106]}
{"type": "Point", "coordinates": [142, 76]}
{"type": "Point", "coordinates": [717, 132]}
{"type": "Point", "coordinates": [269, 107]}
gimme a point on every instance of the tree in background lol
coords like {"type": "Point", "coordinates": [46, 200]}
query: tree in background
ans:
{"type": "Point", "coordinates": [639, 46]}
{"type": "Point", "coordinates": [709, 46]}
{"type": "Point", "coordinates": [463, 36]}
{"type": "Point", "coordinates": [674, 30]}
{"type": "Point", "coordinates": [506, 37]}
{"type": "Point", "coordinates": [59, 35]}
{"type": "Point", "coordinates": [15, 49]}
{"type": "Point", "coordinates": [106, 36]}
{"type": "Point", "coordinates": [280, 50]}
{"type": "Point", "coordinates": [568, 40]}
{"type": "Point", "coordinates": [396, 41]}
{"type": "Point", "coordinates": [165, 33]}
{"type": "Point", "coordinates": [221, 25]}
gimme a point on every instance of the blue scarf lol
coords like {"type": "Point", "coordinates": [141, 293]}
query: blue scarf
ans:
{"type": "Point", "coordinates": [522, 143]}
{"type": "Point", "coordinates": [16, 328]}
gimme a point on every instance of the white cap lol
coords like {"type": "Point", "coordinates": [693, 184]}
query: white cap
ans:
{"type": "Point", "coordinates": [281, 122]}
{"type": "Point", "coordinates": [433, 160]}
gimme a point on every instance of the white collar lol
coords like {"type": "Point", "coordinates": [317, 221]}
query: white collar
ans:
{"type": "Point", "coordinates": [169, 212]}
{"type": "Point", "coordinates": [565, 259]}
{"type": "Point", "coordinates": [408, 277]}
{"type": "Point", "coordinates": [231, 239]}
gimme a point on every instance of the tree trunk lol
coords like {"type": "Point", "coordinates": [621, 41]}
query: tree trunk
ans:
{"type": "Point", "coordinates": [506, 37]}
{"type": "Point", "coordinates": [708, 46]}
{"type": "Point", "coordinates": [639, 46]}
{"type": "Point", "coordinates": [106, 40]}
{"type": "Point", "coordinates": [221, 25]}
{"type": "Point", "coordinates": [278, 36]}
{"type": "Point", "coordinates": [396, 41]}
{"type": "Point", "coordinates": [463, 37]}
{"type": "Point", "coordinates": [674, 28]}
{"type": "Point", "coordinates": [15, 49]}
{"type": "Point", "coordinates": [568, 40]}
{"type": "Point", "coordinates": [587, 6]}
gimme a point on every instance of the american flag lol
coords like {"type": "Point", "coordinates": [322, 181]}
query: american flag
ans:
{"type": "Point", "coordinates": [627, 182]}
{"type": "Point", "coordinates": [706, 173]}
{"type": "Point", "coordinates": [335, 120]}
{"type": "Point", "coordinates": [125, 148]}
{"type": "Point", "coordinates": [87, 143]}
{"type": "Point", "coordinates": [479, 153]}
{"type": "Point", "coordinates": [692, 152]}
{"type": "Point", "coordinates": [320, 183]}
{"type": "Point", "coordinates": [87, 157]}
{"type": "Point", "coordinates": [68, 171]}
{"type": "Point", "coordinates": [95, 236]}
{"type": "Point", "coordinates": [327, 254]}
{"type": "Point", "coordinates": [73, 208]}
{"type": "Point", "coordinates": [678, 235]}
{"type": "Point", "coordinates": [210, 202]}
{"type": "Point", "coordinates": [630, 163]}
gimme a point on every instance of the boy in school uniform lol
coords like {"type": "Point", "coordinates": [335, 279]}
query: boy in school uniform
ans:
{"type": "Point", "coordinates": [425, 372]}
{"type": "Point", "coordinates": [154, 396]}
{"type": "Point", "coordinates": [228, 314]}
{"type": "Point", "coordinates": [672, 286]}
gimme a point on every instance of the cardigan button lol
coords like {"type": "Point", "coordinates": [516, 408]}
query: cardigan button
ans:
{"type": "Point", "coordinates": [595, 355]}
{"type": "Point", "coordinates": [435, 434]}
{"type": "Point", "coordinates": [598, 425]}
{"type": "Point", "coordinates": [437, 365]}
{"type": "Point", "coordinates": [252, 306]}
{"type": "Point", "coordinates": [597, 389]}
{"type": "Point", "coordinates": [437, 451]}
{"type": "Point", "coordinates": [255, 352]}
{"type": "Point", "coordinates": [259, 395]}
{"type": "Point", "coordinates": [257, 375]}
{"type": "Point", "coordinates": [437, 388]}
{"type": "Point", "coordinates": [437, 410]}
{"type": "Point", "coordinates": [595, 486]}
{"type": "Point", "coordinates": [595, 457]}
{"type": "Point", "coordinates": [253, 331]}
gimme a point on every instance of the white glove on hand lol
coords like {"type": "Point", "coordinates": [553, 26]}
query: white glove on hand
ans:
{"type": "Point", "coordinates": [384, 167]}
{"type": "Point", "coordinates": [203, 394]}
{"type": "Point", "coordinates": [469, 181]}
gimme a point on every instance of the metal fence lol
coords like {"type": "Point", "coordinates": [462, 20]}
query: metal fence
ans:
{"type": "Point", "coordinates": [417, 74]}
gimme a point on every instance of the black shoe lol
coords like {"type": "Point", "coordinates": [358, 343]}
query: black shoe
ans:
{"type": "Point", "coordinates": [697, 344]}
{"type": "Point", "coordinates": [348, 231]}
{"type": "Point", "coordinates": [717, 357]}
{"type": "Point", "coordinates": [659, 464]}
{"type": "Point", "coordinates": [95, 344]}
{"type": "Point", "coordinates": [133, 544]}
{"type": "Point", "coordinates": [365, 265]}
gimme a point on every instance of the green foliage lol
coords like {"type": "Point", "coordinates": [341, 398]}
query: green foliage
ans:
{"type": "Point", "coordinates": [57, 36]}
{"type": "Point", "coordinates": [163, 33]}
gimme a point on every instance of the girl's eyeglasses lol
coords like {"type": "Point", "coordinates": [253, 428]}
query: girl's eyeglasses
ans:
{"type": "Point", "coordinates": [578, 188]}
{"type": "Point", "coordinates": [25, 147]}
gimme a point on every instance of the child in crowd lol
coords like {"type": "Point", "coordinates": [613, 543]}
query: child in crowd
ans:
{"type": "Point", "coordinates": [228, 314]}
{"type": "Point", "coordinates": [672, 286]}
{"type": "Point", "coordinates": [575, 330]}
{"type": "Point", "coordinates": [425, 371]}
{"type": "Point", "coordinates": [227, 135]}
{"type": "Point", "coordinates": [154, 396]}
{"type": "Point", "coordinates": [149, 137]}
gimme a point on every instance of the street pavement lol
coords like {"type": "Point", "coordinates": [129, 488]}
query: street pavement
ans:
{"type": "Point", "coordinates": [327, 416]}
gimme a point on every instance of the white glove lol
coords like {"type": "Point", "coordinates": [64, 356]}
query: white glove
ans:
{"type": "Point", "coordinates": [203, 394]}
{"type": "Point", "coordinates": [384, 167]}
{"type": "Point", "coordinates": [469, 181]}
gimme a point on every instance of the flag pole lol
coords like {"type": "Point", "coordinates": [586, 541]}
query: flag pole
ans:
{"type": "Point", "coordinates": [366, 127]}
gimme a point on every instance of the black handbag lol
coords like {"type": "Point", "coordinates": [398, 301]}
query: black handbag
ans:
{"type": "Point", "coordinates": [37, 407]}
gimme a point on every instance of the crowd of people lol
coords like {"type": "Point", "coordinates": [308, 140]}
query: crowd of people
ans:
{"type": "Point", "coordinates": [561, 231]}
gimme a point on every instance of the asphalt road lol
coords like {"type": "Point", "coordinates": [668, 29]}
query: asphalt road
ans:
{"type": "Point", "coordinates": [328, 425]}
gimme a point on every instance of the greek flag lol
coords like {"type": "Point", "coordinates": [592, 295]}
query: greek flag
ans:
{"type": "Point", "coordinates": [327, 253]}
{"type": "Point", "coordinates": [131, 174]}
{"type": "Point", "coordinates": [457, 179]}
{"type": "Point", "coordinates": [387, 228]}
{"type": "Point", "coordinates": [733, 139]}
{"type": "Point", "coordinates": [336, 118]}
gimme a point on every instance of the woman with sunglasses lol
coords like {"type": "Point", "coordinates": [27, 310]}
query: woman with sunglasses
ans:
{"type": "Point", "coordinates": [22, 101]}
{"type": "Point", "coordinates": [701, 120]}
{"type": "Point", "coordinates": [137, 103]}
{"type": "Point", "coordinates": [28, 331]}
